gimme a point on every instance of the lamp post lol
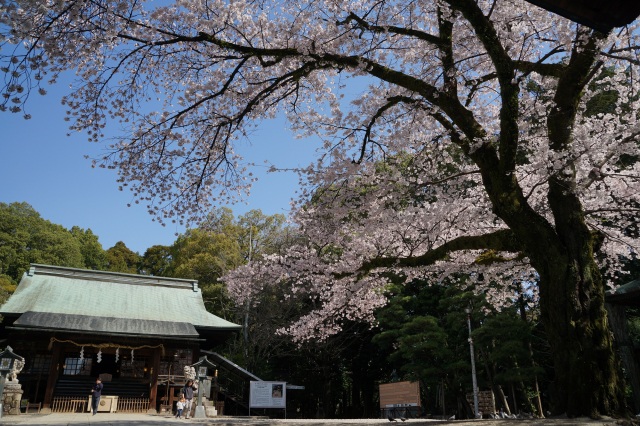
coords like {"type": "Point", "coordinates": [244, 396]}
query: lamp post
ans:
{"type": "Point", "coordinates": [473, 365]}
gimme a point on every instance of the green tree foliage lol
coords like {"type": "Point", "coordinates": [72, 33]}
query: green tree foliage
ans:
{"type": "Point", "coordinates": [93, 255]}
{"type": "Point", "coordinates": [26, 238]}
{"type": "Point", "coordinates": [262, 234]}
{"type": "Point", "coordinates": [156, 261]}
{"type": "Point", "coordinates": [505, 343]}
{"type": "Point", "coordinates": [207, 253]}
{"type": "Point", "coordinates": [418, 343]}
{"type": "Point", "coordinates": [220, 244]}
{"type": "Point", "coordinates": [121, 259]}
{"type": "Point", "coordinates": [7, 287]}
{"type": "Point", "coordinates": [423, 332]}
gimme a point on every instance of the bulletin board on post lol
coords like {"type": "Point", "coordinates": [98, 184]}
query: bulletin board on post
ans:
{"type": "Point", "coordinates": [400, 399]}
{"type": "Point", "coordinates": [267, 394]}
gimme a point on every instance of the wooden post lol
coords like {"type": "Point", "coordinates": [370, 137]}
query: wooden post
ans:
{"type": "Point", "coordinates": [53, 377]}
{"type": "Point", "coordinates": [153, 392]}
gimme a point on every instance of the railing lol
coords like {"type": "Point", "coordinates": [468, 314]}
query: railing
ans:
{"type": "Point", "coordinates": [133, 405]}
{"type": "Point", "coordinates": [68, 404]}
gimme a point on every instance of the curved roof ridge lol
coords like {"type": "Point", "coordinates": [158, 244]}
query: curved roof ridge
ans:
{"type": "Point", "coordinates": [114, 277]}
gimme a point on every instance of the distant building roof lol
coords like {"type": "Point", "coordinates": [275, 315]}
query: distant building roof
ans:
{"type": "Point", "coordinates": [627, 294]}
{"type": "Point", "coordinates": [79, 300]}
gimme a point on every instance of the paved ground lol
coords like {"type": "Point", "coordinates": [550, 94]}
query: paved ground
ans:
{"type": "Point", "coordinates": [108, 419]}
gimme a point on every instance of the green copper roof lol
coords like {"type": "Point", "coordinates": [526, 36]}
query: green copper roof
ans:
{"type": "Point", "coordinates": [76, 293]}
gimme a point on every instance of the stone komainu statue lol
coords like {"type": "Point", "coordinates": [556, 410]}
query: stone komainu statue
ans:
{"type": "Point", "coordinates": [18, 365]}
{"type": "Point", "coordinates": [189, 372]}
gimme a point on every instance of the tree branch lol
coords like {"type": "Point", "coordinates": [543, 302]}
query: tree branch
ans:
{"type": "Point", "coordinates": [364, 25]}
{"type": "Point", "coordinates": [502, 240]}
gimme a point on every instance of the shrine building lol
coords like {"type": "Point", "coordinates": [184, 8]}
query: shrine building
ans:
{"type": "Point", "coordinates": [136, 332]}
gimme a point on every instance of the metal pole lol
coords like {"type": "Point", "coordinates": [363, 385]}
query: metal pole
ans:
{"type": "Point", "coordinates": [473, 366]}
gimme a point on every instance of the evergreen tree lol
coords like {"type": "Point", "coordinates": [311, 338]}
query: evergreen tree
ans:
{"type": "Point", "coordinates": [121, 259]}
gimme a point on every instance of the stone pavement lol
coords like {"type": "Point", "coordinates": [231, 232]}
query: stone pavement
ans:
{"type": "Point", "coordinates": [116, 419]}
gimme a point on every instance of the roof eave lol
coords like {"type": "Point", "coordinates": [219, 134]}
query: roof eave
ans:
{"type": "Point", "coordinates": [124, 335]}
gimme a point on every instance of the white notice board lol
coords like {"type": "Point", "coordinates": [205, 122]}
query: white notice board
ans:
{"type": "Point", "coordinates": [268, 394]}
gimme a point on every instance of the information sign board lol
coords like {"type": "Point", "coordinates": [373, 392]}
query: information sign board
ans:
{"type": "Point", "coordinates": [267, 394]}
{"type": "Point", "coordinates": [400, 394]}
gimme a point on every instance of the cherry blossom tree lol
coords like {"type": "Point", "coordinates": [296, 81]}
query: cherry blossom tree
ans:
{"type": "Point", "coordinates": [457, 138]}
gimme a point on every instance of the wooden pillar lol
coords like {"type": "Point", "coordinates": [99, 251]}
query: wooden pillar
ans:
{"type": "Point", "coordinates": [56, 356]}
{"type": "Point", "coordinates": [153, 391]}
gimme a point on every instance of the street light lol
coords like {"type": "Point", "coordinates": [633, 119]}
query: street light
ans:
{"type": "Point", "coordinates": [473, 365]}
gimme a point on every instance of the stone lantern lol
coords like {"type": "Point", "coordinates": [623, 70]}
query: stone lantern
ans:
{"type": "Point", "coordinates": [201, 367]}
{"type": "Point", "coordinates": [10, 365]}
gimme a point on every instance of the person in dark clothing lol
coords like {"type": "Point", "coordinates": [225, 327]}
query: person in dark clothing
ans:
{"type": "Point", "coordinates": [187, 391]}
{"type": "Point", "coordinates": [96, 392]}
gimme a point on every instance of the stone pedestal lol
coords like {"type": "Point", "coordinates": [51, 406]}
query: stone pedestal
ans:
{"type": "Point", "coordinates": [208, 409]}
{"type": "Point", "coordinates": [11, 397]}
{"type": "Point", "coordinates": [199, 413]}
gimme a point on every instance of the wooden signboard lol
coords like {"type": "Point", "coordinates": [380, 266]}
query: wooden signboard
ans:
{"type": "Point", "coordinates": [486, 401]}
{"type": "Point", "coordinates": [400, 394]}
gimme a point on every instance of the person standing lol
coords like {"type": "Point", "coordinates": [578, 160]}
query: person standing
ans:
{"type": "Point", "coordinates": [96, 392]}
{"type": "Point", "coordinates": [180, 406]}
{"type": "Point", "coordinates": [187, 391]}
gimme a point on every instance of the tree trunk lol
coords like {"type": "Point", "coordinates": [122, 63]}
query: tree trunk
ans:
{"type": "Point", "coordinates": [587, 377]}
{"type": "Point", "coordinates": [538, 400]}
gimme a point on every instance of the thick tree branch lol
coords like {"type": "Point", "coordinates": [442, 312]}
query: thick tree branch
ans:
{"type": "Point", "coordinates": [502, 240]}
{"type": "Point", "coordinates": [505, 71]}
{"type": "Point", "coordinates": [564, 202]}
{"type": "Point", "coordinates": [548, 70]}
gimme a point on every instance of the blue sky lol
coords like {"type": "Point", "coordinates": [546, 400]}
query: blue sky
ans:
{"type": "Point", "coordinates": [41, 165]}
